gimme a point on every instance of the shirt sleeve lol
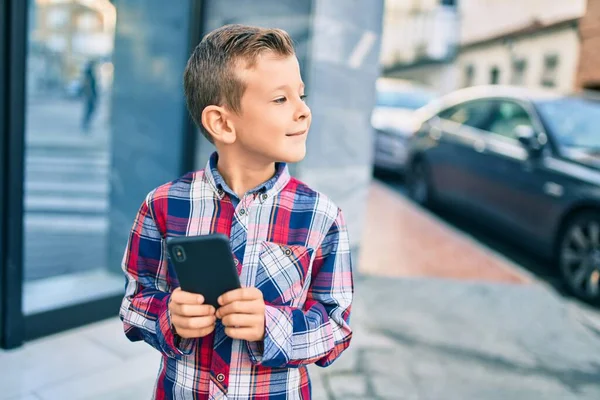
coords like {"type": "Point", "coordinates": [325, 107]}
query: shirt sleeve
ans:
{"type": "Point", "coordinates": [144, 309]}
{"type": "Point", "coordinates": [318, 332]}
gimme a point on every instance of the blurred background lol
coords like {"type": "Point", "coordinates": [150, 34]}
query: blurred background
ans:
{"type": "Point", "coordinates": [460, 137]}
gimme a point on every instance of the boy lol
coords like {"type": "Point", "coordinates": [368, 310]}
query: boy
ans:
{"type": "Point", "coordinates": [243, 89]}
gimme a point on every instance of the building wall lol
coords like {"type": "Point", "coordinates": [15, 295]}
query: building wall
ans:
{"type": "Point", "coordinates": [440, 77]}
{"type": "Point", "coordinates": [589, 60]}
{"type": "Point", "coordinates": [481, 19]}
{"type": "Point", "coordinates": [147, 108]}
{"type": "Point", "coordinates": [418, 29]}
{"type": "Point", "coordinates": [344, 65]}
{"type": "Point", "coordinates": [533, 49]}
{"type": "Point", "coordinates": [338, 49]}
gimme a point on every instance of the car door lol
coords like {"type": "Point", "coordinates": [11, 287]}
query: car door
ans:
{"type": "Point", "coordinates": [513, 182]}
{"type": "Point", "coordinates": [461, 143]}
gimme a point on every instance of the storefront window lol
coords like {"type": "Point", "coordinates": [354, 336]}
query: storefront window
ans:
{"type": "Point", "coordinates": [67, 154]}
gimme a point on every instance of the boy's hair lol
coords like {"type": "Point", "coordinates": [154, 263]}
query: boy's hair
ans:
{"type": "Point", "coordinates": [209, 77]}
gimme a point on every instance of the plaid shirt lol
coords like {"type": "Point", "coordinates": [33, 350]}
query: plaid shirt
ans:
{"type": "Point", "coordinates": [287, 240]}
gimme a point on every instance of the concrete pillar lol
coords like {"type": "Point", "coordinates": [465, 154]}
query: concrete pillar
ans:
{"type": "Point", "coordinates": [148, 113]}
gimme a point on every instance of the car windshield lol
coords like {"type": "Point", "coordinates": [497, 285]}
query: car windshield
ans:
{"type": "Point", "coordinates": [573, 121]}
{"type": "Point", "coordinates": [411, 99]}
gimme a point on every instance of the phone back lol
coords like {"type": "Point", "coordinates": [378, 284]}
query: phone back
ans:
{"type": "Point", "coordinates": [204, 265]}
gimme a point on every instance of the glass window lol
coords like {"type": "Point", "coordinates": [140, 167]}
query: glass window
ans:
{"type": "Point", "coordinates": [549, 75]}
{"type": "Point", "coordinates": [495, 76]}
{"type": "Point", "coordinates": [68, 160]}
{"type": "Point", "coordinates": [519, 72]}
{"type": "Point", "coordinates": [469, 75]}
{"type": "Point", "coordinates": [506, 117]}
{"type": "Point", "coordinates": [473, 114]}
{"type": "Point", "coordinates": [409, 99]}
{"type": "Point", "coordinates": [572, 121]}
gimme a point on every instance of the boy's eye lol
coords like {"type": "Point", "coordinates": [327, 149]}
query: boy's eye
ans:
{"type": "Point", "coordinates": [303, 97]}
{"type": "Point", "coordinates": [280, 100]}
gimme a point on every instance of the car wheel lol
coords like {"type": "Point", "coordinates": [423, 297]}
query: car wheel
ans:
{"type": "Point", "coordinates": [579, 256]}
{"type": "Point", "coordinates": [419, 184]}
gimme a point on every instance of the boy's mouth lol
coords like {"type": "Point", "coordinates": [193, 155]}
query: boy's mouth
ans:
{"type": "Point", "coordinates": [299, 133]}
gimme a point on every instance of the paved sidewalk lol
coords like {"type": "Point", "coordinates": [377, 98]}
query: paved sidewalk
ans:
{"type": "Point", "coordinates": [415, 338]}
{"type": "Point", "coordinates": [401, 239]}
{"type": "Point", "coordinates": [436, 317]}
{"type": "Point", "coordinates": [444, 339]}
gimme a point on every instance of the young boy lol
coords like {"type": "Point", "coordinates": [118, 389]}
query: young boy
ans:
{"type": "Point", "coordinates": [290, 244]}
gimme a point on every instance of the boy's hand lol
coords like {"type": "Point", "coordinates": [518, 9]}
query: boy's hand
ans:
{"type": "Point", "coordinates": [243, 314]}
{"type": "Point", "coordinates": [190, 317]}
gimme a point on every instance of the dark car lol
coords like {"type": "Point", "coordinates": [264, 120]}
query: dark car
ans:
{"type": "Point", "coordinates": [525, 162]}
{"type": "Point", "coordinates": [393, 120]}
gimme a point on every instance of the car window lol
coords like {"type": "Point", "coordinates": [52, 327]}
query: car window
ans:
{"type": "Point", "coordinates": [507, 115]}
{"type": "Point", "coordinates": [408, 99]}
{"type": "Point", "coordinates": [474, 114]}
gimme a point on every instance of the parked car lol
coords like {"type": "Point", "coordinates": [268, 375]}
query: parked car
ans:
{"type": "Point", "coordinates": [526, 161]}
{"type": "Point", "coordinates": [394, 119]}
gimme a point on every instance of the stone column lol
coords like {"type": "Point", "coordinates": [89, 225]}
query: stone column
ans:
{"type": "Point", "coordinates": [148, 113]}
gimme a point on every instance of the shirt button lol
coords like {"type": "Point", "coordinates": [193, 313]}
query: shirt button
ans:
{"type": "Point", "coordinates": [242, 211]}
{"type": "Point", "coordinates": [220, 191]}
{"type": "Point", "coordinates": [220, 377]}
{"type": "Point", "coordinates": [236, 262]}
{"type": "Point", "coordinates": [288, 252]}
{"type": "Point", "coordinates": [264, 196]}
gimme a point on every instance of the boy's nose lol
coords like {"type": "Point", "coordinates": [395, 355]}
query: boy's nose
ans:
{"type": "Point", "coordinates": [303, 111]}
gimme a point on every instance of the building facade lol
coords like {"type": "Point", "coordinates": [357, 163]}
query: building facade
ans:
{"type": "Point", "coordinates": [546, 44]}
{"type": "Point", "coordinates": [588, 73]}
{"type": "Point", "coordinates": [536, 47]}
{"type": "Point", "coordinates": [420, 41]}
{"type": "Point", "coordinates": [533, 56]}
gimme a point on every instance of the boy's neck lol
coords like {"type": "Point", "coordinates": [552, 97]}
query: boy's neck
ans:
{"type": "Point", "coordinates": [243, 175]}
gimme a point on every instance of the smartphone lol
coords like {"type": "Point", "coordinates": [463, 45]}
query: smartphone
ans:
{"type": "Point", "coordinates": [204, 265]}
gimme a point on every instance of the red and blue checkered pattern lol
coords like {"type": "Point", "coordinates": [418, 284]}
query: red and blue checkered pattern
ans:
{"type": "Point", "coordinates": [289, 241]}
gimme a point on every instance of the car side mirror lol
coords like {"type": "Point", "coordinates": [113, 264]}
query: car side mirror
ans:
{"type": "Point", "coordinates": [528, 138]}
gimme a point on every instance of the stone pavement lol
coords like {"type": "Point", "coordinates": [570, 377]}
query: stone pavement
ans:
{"type": "Point", "coordinates": [439, 339]}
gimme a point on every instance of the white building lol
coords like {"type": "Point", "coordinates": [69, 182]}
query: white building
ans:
{"type": "Point", "coordinates": [453, 44]}
{"type": "Point", "coordinates": [420, 39]}
{"type": "Point", "coordinates": [538, 46]}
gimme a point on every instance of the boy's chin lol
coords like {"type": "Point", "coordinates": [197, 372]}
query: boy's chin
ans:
{"type": "Point", "coordinates": [292, 156]}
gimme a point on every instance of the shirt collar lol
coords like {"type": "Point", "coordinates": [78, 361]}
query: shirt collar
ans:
{"type": "Point", "coordinates": [268, 188]}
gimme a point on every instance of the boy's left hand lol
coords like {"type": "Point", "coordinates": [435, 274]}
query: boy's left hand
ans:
{"type": "Point", "coordinates": [243, 314]}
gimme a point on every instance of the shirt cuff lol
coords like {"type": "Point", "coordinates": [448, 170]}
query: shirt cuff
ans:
{"type": "Point", "coordinates": [273, 350]}
{"type": "Point", "coordinates": [173, 344]}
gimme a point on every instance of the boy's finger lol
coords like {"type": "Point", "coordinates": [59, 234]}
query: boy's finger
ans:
{"type": "Point", "coordinates": [237, 307]}
{"type": "Point", "coordinates": [192, 310]}
{"type": "Point", "coordinates": [194, 322]}
{"type": "Point", "coordinates": [181, 297]}
{"type": "Point", "coordinates": [243, 294]}
{"type": "Point", "coordinates": [240, 320]}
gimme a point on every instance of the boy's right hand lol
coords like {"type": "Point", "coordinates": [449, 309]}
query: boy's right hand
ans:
{"type": "Point", "coordinates": [190, 317]}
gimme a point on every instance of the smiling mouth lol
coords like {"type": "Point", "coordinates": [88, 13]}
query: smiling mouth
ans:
{"type": "Point", "coordinates": [297, 133]}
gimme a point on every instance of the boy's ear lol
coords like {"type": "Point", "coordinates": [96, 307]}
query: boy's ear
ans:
{"type": "Point", "coordinates": [216, 121]}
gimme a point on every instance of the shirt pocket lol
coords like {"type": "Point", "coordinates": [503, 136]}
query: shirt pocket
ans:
{"type": "Point", "coordinates": [282, 272]}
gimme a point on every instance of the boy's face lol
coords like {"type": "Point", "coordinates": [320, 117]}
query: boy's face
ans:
{"type": "Point", "coordinates": [274, 119]}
